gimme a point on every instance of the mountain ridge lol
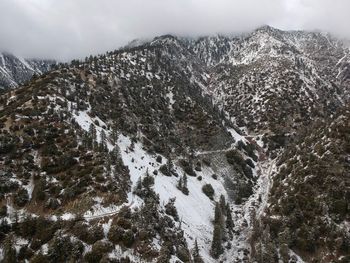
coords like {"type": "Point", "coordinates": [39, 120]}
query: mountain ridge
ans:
{"type": "Point", "coordinates": [172, 151]}
{"type": "Point", "coordinates": [16, 70]}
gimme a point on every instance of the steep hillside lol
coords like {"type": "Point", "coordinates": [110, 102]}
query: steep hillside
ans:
{"type": "Point", "coordinates": [15, 70]}
{"type": "Point", "coordinates": [308, 208]}
{"type": "Point", "coordinates": [116, 155]}
{"type": "Point", "coordinates": [180, 150]}
{"type": "Point", "coordinates": [273, 82]}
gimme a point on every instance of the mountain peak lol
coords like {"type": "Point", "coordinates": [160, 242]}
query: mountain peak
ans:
{"type": "Point", "coordinates": [15, 70]}
{"type": "Point", "coordinates": [267, 28]}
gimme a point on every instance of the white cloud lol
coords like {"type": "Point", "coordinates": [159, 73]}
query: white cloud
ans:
{"type": "Point", "coordinates": [65, 29]}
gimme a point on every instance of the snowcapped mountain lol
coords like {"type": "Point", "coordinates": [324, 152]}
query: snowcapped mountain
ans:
{"type": "Point", "coordinates": [181, 150]}
{"type": "Point", "coordinates": [273, 81]}
{"type": "Point", "coordinates": [16, 70]}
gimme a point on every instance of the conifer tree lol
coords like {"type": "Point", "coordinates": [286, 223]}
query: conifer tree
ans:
{"type": "Point", "coordinates": [184, 186]}
{"type": "Point", "coordinates": [114, 155]}
{"type": "Point", "coordinates": [223, 204]}
{"type": "Point", "coordinates": [92, 133]}
{"type": "Point", "coordinates": [164, 255]}
{"type": "Point", "coordinates": [218, 214]}
{"type": "Point", "coordinates": [180, 184]}
{"type": "Point", "coordinates": [196, 255]}
{"type": "Point", "coordinates": [229, 222]}
{"type": "Point", "coordinates": [216, 245]}
{"type": "Point", "coordinates": [103, 143]}
{"type": "Point", "coordinates": [9, 251]}
{"type": "Point", "coordinates": [114, 134]}
{"type": "Point", "coordinates": [85, 140]}
{"type": "Point", "coordinates": [283, 240]}
{"type": "Point", "coordinates": [169, 164]}
{"type": "Point", "coordinates": [138, 186]}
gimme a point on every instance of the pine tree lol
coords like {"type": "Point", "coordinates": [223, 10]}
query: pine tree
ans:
{"type": "Point", "coordinates": [218, 214]}
{"type": "Point", "coordinates": [179, 184]}
{"type": "Point", "coordinates": [223, 204]}
{"type": "Point", "coordinates": [86, 140]}
{"type": "Point", "coordinates": [269, 254]}
{"type": "Point", "coordinates": [216, 245]}
{"type": "Point", "coordinates": [92, 133]}
{"type": "Point", "coordinates": [9, 251]}
{"type": "Point", "coordinates": [229, 222]}
{"type": "Point", "coordinates": [138, 186]}
{"type": "Point", "coordinates": [283, 240]}
{"type": "Point", "coordinates": [114, 155]}
{"type": "Point", "coordinates": [164, 255]}
{"type": "Point", "coordinates": [103, 143]}
{"type": "Point", "coordinates": [184, 186]}
{"type": "Point", "coordinates": [114, 134]}
{"type": "Point", "coordinates": [196, 255]}
{"type": "Point", "coordinates": [169, 164]}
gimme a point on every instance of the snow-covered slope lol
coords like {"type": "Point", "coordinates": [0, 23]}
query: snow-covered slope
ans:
{"type": "Point", "coordinates": [272, 77]}
{"type": "Point", "coordinates": [177, 150]}
{"type": "Point", "coordinates": [16, 70]}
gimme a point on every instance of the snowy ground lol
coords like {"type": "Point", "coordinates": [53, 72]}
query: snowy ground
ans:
{"type": "Point", "coordinates": [196, 210]}
{"type": "Point", "coordinates": [242, 213]}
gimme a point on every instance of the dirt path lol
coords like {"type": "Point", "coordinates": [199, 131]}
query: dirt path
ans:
{"type": "Point", "coordinates": [112, 213]}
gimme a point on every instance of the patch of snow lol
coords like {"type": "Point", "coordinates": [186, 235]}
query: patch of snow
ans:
{"type": "Point", "coordinates": [44, 249]}
{"type": "Point", "coordinates": [196, 210]}
{"type": "Point", "coordinates": [170, 96]}
{"type": "Point", "coordinates": [67, 216]}
{"type": "Point", "coordinates": [236, 135]}
{"type": "Point", "coordinates": [293, 254]}
{"type": "Point", "coordinates": [85, 121]}
{"type": "Point", "coordinates": [106, 227]}
{"type": "Point", "coordinates": [137, 160]}
{"type": "Point", "coordinates": [30, 187]}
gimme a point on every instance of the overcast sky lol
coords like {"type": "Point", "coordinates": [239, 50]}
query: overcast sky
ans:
{"type": "Point", "coordinates": [67, 29]}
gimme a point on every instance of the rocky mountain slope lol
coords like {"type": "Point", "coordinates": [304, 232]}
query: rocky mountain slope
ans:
{"type": "Point", "coordinates": [273, 82]}
{"type": "Point", "coordinates": [180, 150]}
{"type": "Point", "coordinates": [309, 198]}
{"type": "Point", "coordinates": [16, 70]}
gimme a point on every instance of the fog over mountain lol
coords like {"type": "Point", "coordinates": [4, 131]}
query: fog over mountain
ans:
{"type": "Point", "coordinates": [66, 29]}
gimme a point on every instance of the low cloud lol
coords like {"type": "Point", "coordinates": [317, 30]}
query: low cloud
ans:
{"type": "Point", "coordinates": [68, 29]}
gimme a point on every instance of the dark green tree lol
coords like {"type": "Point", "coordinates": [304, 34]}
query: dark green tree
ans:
{"type": "Point", "coordinates": [184, 186]}
{"type": "Point", "coordinates": [196, 254]}
{"type": "Point", "coordinates": [229, 222]}
{"type": "Point", "coordinates": [103, 143]}
{"type": "Point", "coordinates": [218, 216]}
{"type": "Point", "coordinates": [216, 245]}
{"type": "Point", "coordinates": [10, 255]}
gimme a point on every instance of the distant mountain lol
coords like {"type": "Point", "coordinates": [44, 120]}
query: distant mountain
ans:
{"type": "Point", "coordinates": [15, 70]}
{"type": "Point", "coordinates": [216, 149]}
{"type": "Point", "coordinates": [275, 81]}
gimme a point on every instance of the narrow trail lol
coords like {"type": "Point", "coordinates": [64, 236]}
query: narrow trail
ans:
{"type": "Point", "coordinates": [216, 151]}
{"type": "Point", "coordinates": [112, 213]}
